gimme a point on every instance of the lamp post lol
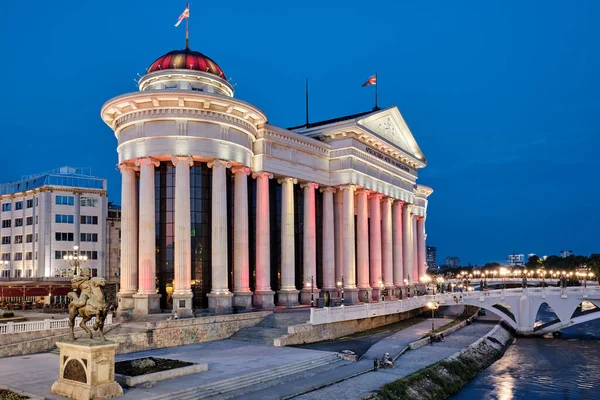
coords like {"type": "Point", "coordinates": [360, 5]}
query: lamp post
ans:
{"type": "Point", "coordinates": [75, 260]}
{"type": "Point", "coordinates": [432, 306]}
{"type": "Point", "coordinates": [312, 292]}
{"type": "Point", "coordinates": [381, 287]}
{"type": "Point", "coordinates": [340, 283]}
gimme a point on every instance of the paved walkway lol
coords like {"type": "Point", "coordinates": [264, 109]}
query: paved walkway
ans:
{"type": "Point", "coordinates": [226, 358]}
{"type": "Point", "coordinates": [408, 363]}
{"type": "Point", "coordinates": [392, 344]}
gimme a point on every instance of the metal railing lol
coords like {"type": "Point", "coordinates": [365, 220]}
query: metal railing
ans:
{"type": "Point", "coordinates": [47, 324]}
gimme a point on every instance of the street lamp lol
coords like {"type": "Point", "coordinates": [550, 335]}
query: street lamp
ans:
{"type": "Point", "coordinates": [432, 306]}
{"type": "Point", "coordinates": [75, 260]}
{"type": "Point", "coordinates": [340, 284]}
{"type": "Point", "coordinates": [312, 293]}
{"type": "Point", "coordinates": [381, 288]}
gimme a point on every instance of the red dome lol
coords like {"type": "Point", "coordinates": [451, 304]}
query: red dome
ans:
{"type": "Point", "coordinates": [186, 59]}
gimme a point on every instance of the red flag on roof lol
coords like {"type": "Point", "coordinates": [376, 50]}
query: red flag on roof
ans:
{"type": "Point", "coordinates": [184, 14]}
{"type": "Point", "coordinates": [372, 81]}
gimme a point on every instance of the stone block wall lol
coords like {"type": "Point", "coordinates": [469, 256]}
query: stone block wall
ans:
{"type": "Point", "coordinates": [307, 333]}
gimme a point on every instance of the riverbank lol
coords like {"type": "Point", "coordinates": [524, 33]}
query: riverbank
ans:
{"type": "Point", "coordinates": [445, 378]}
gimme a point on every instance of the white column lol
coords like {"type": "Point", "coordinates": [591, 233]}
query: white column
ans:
{"type": "Point", "coordinates": [263, 295]}
{"type": "Point", "coordinates": [421, 246]}
{"type": "Point", "coordinates": [349, 276]}
{"type": "Point", "coordinates": [386, 245]}
{"type": "Point", "coordinates": [328, 240]}
{"type": "Point", "coordinates": [219, 298]}
{"type": "Point", "coordinates": [288, 295]}
{"type": "Point", "coordinates": [146, 299]}
{"type": "Point", "coordinates": [129, 245]}
{"type": "Point", "coordinates": [362, 245]}
{"type": "Point", "coordinates": [242, 296]}
{"type": "Point", "coordinates": [182, 294]}
{"type": "Point", "coordinates": [375, 249]}
{"type": "Point", "coordinates": [338, 210]}
{"type": "Point", "coordinates": [407, 242]}
{"type": "Point", "coordinates": [397, 243]}
{"type": "Point", "coordinates": [309, 255]}
{"type": "Point", "coordinates": [415, 266]}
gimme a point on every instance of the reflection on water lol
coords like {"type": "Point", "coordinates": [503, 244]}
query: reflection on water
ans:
{"type": "Point", "coordinates": [544, 368]}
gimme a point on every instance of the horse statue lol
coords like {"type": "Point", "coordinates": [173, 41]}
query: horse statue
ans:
{"type": "Point", "coordinates": [89, 304]}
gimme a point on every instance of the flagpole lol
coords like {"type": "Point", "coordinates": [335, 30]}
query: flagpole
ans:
{"type": "Point", "coordinates": [187, 40]}
{"type": "Point", "coordinates": [307, 102]}
{"type": "Point", "coordinates": [376, 86]}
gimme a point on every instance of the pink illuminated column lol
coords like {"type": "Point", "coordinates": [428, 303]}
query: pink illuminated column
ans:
{"type": "Point", "coordinates": [129, 245]}
{"type": "Point", "coordinates": [146, 299]}
{"type": "Point", "coordinates": [338, 236]}
{"type": "Point", "coordinates": [328, 240]}
{"type": "Point", "coordinates": [415, 266]}
{"type": "Point", "coordinates": [309, 244]}
{"type": "Point", "coordinates": [397, 243]}
{"type": "Point", "coordinates": [182, 294]}
{"type": "Point", "coordinates": [242, 296]}
{"type": "Point", "coordinates": [362, 245]}
{"type": "Point", "coordinates": [349, 276]}
{"type": "Point", "coordinates": [288, 294]}
{"type": "Point", "coordinates": [407, 242]}
{"type": "Point", "coordinates": [263, 295]}
{"type": "Point", "coordinates": [386, 245]}
{"type": "Point", "coordinates": [219, 298]}
{"type": "Point", "coordinates": [421, 246]}
{"type": "Point", "coordinates": [375, 248]}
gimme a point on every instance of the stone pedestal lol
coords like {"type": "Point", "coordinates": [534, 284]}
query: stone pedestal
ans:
{"type": "Point", "coordinates": [219, 303]}
{"type": "Point", "coordinates": [364, 295]}
{"type": "Point", "coordinates": [287, 297]}
{"type": "Point", "coordinates": [391, 290]}
{"type": "Point", "coordinates": [264, 299]}
{"type": "Point", "coordinates": [305, 296]}
{"type": "Point", "coordinates": [376, 296]}
{"type": "Point", "coordinates": [87, 370]}
{"type": "Point", "coordinates": [146, 303]}
{"type": "Point", "coordinates": [351, 297]}
{"type": "Point", "coordinates": [126, 303]}
{"type": "Point", "coordinates": [242, 300]}
{"type": "Point", "coordinates": [182, 303]}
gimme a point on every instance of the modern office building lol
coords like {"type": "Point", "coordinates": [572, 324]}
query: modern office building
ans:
{"type": "Point", "coordinates": [45, 216]}
{"type": "Point", "coordinates": [220, 208]}
{"type": "Point", "coordinates": [515, 260]}
{"type": "Point", "coordinates": [566, 253]}
{"type": "Point", "coordinates": [431, 257]}
{"type": "Point", "coordinates": [452, 262]}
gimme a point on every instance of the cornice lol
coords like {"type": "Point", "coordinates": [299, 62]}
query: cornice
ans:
{"type": "Point", "coordinates": [374, 161]}
{"type": "Point", "coordinates": [118, 107]}
{"type": "Point", "coordinates": [291, 138]}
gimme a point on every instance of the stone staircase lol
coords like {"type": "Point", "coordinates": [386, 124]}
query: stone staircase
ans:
{"type": "Point", "coordinates": [222, 388]}
{"type": "Point", "coordinates": [272, 327]}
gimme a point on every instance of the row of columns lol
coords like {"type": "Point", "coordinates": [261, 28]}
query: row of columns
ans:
{"type": "Point", "coordinates": [393, 259]}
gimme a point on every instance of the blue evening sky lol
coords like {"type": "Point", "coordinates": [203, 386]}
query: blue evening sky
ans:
{"type": "Point", "coordinates": [502, 96]}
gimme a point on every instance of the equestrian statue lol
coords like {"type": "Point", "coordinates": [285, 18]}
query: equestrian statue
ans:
{"type": "Point", "coordinates": [89, 304]}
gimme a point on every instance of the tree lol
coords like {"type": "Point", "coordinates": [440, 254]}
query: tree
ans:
{"type": "Point", "coordinates": [491, 265]}
{"type": "Point", "coordinates": [533, 262]}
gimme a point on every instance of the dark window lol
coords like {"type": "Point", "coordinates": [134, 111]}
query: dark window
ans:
{"type": "Point", "coordinates": [30, 203]}
{"type": "Point", "coordinates": [18, 222]}
{"type": "Point", "coordinates": [18, 205]}
{"type": "Point", "coordinates": [18, 239]}
{"type": "Point", "coordinates": [29, 221]}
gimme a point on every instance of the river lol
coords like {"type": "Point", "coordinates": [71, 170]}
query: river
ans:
{"type": "Point", "coordinates": [567, 367]}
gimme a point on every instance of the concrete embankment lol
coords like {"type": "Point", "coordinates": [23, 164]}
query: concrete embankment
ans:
{"type": "Point", "coordinates": [446, 377]}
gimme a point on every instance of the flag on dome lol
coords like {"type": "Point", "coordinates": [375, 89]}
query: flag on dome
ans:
{"type": "Point", "coordinates": [371, 81]}
{"type": "Point", "coordinates": [184, 14]}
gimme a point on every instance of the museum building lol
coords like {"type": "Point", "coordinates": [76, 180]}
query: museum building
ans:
{"type": "Point", "coordinates": [220, 209]}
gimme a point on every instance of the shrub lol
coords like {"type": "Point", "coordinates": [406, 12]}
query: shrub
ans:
{"type": "Point", "coordinates": [8, 314]}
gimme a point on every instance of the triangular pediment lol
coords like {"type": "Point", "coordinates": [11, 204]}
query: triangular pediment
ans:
{"type": "Point", "coordinates": [389, 125]}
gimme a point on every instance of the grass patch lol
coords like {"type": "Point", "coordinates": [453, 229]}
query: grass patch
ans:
{"type": "Point", "coordinates": [7, 394]}
{"type": "Point", "coordinates": [143, 366]}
